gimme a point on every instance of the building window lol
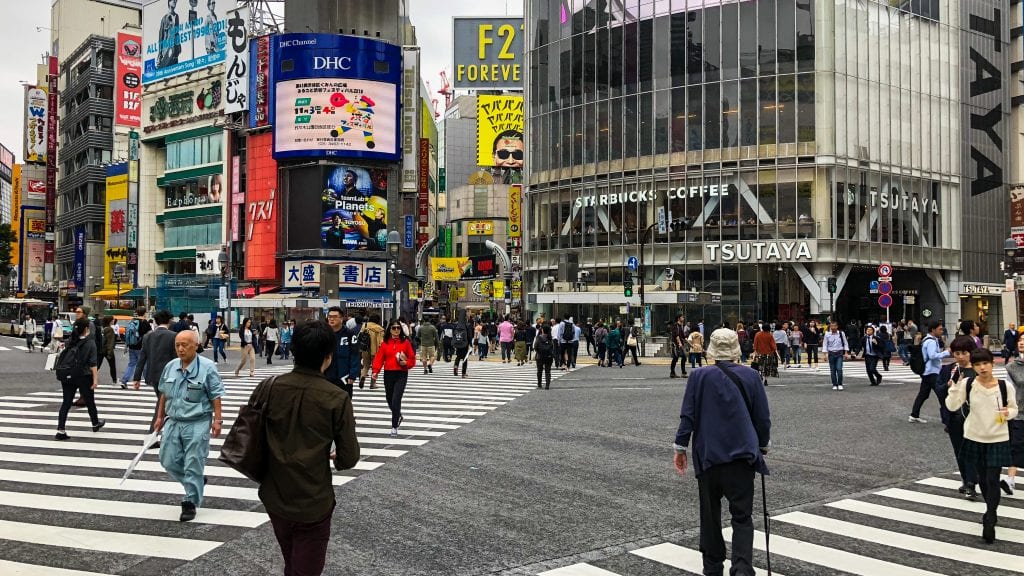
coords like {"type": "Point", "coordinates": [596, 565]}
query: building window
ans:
{"type": "Point", "coordinates": [194, 152]}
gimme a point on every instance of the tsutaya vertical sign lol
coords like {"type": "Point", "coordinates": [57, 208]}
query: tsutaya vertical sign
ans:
{"type": "Point", "coordinates": [985, 48]}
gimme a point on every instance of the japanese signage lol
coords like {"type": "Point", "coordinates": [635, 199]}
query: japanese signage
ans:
{"type": "Point", "coordinates": [355, 209]}
{"type": "Point", "coordinates": [447, 269]}
{"type": "Point", "coordinates": [116, 222]}
{"type": "Point", "coordinates": [207, 261]}
{"type": "Point", "coordinates": [236, 66]}
{"type": "Point", "coordinates": [480, 228]}
{"type": "Point", "coordinates": [499, 129]}
{"type": "Point", "coordinates": [33, 264]}
{"type": "Point", "coordinates": [973, 288]}
{"type": "Point", "coordinates": [352, 274]}
{"type": "Point", "coordinates": [35, 228]}
{"type": "Point", "coordinates": [488, 53]}
{"type": "Point", "coordinates": [262, 207]}
{"type": "Point", "coordinates": [764, 251]}
{"type": "Point", "coordinates": [337, 98]}
{"type": "Point", "coordinates": [1017, 214]}
{"type": "Point", "coordinates": [35, 190]}
{"type": "Point", "coordinates": [128, 80]}
{"type": "Point", "coordinates": [78, 273]}
{"type": "Point", "coordinates": [179, 38]}
{"type": "Point", "coordinates": [480, 267]}
{"type": "Point", "coordinates": [186, 107]}
{"type": "Point", "coordinates": [51, 168]}
{"type": "Point", "coordinates": [423, 186]}
{"type": "Point", "coordinates": [36, 103]}
{"type": "Point", "coordinates": [515, 226]}
{"type": "Point", "coordinates": [259, 83]}
{"type": "Point", "coordinates": [16, 181]}
{"type": "Point", "coordinates": [410, 231]}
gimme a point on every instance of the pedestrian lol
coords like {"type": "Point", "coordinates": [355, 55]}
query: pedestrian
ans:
{"type": "Point", "coordinates": [246, 339]}
{"type": "Point", "coordinates": [134, 332]}
{"type": "Point", "coordinates": [28, 330]}
{"type": "Point", "coordinates": [157, 350]}
{"type": "Point", "coordinates": [556, 339]}
{"type": "Point", "coordinates": [181, 324]}
{"type": "Point", "coordinates": [220, 339]}
{"type": "Point", "coordinates": [303, 417]}
{"type": "Point", "coordinates": [506, 337]}
{"type": "Point", "coordinates": [588, 335]}
{"type": "Point", "coordinates": [811, 336]}
{"type": "Point", "coordinates": [209, 334]}
{"type": "Point", "coordinates": [1010, 338]}
{"type": "Point", "coordinates": [1015, 372]}
{"type": "Point", "coordinates": [194, 326]}
{"type": "Point", "coordinates": [746, 344]}
{"type": "Point", "coordinates": [531, 337]}
{"type": "Point", "coordinates": [600, 336]}
{"type": "Point", "coordinates": [696, 340]}
{"type": "Point", "coordinates": [912, 337]}
{"type": "Point", "coordinates": [482, 342]}
{"type": "Point", "coordinates": [520, 343]}
{"type": "Point", "coordinates": [837, 349]}
{"type": "Point", "coordinates": [953, 420]}
{"type": "Point", "coordinates": [544, 354]}
{"type": "Point", "coordinates": [613, 345]}
{"type": "Point", "coordinates": [429, 338]}
{"type": "Point", "coordinates": [285, 344]}
{"type": "Point", "coordinates": [344, 368]}
{"type": "Point", "coordinates": [47, 334]}
{"type": "Point", "coordinates": [972, 329]}
{"type": "Point", "coordinates": [188, 414]}
{"type": "Point", "coordinates": [887, 347]}
{"type": "Point", "coordinates": [679, 344]}
{"type": "Point", "coordinates": [872, 347]}
{"type": "Point", "coordinates": [460, 343]}
{"type": "Point", "coordinates": [84, 377]}
{"type": "Point", "coordinates": [899, 335]}
{"type": "Point", "coordinates": [57, 336]}
{"type": "Point", "coordinates": [765, 355]}
{"type": "Point", "coordinates": [795, 344]}
{"type": "Point", "coordinates": [396, 357]}
{"type": "Point", "coordinates": [931, 349]}
{"type": "Point", "coordinates": [271, 335]}
{"type": "Point", "coordinates": [725, 413]}
{"type": "Point", "coordinates": [986, 443]}
{"type": "Point", "coordinates": [371, 334]}
{"type": "Point", "coordinates": [447, 331]}
{"type": "Point", "coordinates": [781, 337]}
{"type": "Point", "coordinates": [573, 345]}
{"type": "Point", "coordinates": [107, 353]}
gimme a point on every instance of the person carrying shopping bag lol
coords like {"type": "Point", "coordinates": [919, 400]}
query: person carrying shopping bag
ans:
{"type": "Point", "coordinates": [395, 357]}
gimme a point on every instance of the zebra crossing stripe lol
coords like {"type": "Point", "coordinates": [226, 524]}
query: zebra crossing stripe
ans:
{"type": "Point", "coordinates": [19, 569]}
{"type": "Point", "coordinates": [129, 485]}
{"type": "Point", "coordinates": [215, 516]}
{"type": "Point", "coordinates": [955, 484]}
{"type": "Point", "coordinates": [921, 519]}
{"type": "Point", "coordinates": [949, 502]}
{"type": "Point", "coordinates": [578, 570]}
{"type": "Point", "coordinates": [104, 541]}
{"type": "Point", "coordinates": [683, 558]}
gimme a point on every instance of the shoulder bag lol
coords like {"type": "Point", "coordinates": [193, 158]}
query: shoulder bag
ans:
{"type": "Point", "coordinates": [245, 446]}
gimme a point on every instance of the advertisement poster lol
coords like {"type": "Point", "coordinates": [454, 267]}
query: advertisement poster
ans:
{"type": "Point", "coordinates": [182, 36]}
{"type": "Point", "coordinates": [335, 116]}
{"type": "Point", "coordinates": [78, 274]}
{"type": "Point", "coordinates": [198, 192]}
{"type": "Point", "coordinates": [115, 221]}
{"type": "Point", "coordinates": [515, 228]}
{"type": "Point", "coordinates": [128, 80]}
{"type": "Point", "coordinates": [236, 67]}
{"type": "Point", "coordinates": [480, 228]}
{"type": "Point", "coordinates": [33, 268]}
{"type": "Point", "coordinates": [488, 53]}
{"type": "Point", "coordinates": [259, 83]}
{"type": "Point", "coordinates": [355, 209]}
{"type": "Point", "coordinates": [35, 124]}
{"type": "Point", "coordinates": [499, 129]}
{"type": "Point", "coordinates": [480, 268]}
{"type": "Point", "coordinates": [448, 269]}
{"type": "Point", "coordinates": [16, 213]}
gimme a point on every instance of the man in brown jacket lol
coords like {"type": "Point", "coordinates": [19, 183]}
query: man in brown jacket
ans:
{"type": "Point", "coordinates": [374, 336]}
{"type": "Point", "coordinates": [306, 414]}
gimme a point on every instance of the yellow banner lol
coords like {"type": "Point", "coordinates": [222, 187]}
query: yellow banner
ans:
{"type": "Point", "coordinates": [447, 269]}
{"type": "Point", "coordinates": [480, 228]}
{"type": "Point", "coordinates": [16, 214]}
{"type": "Point", "coordinates": [499, 131]}
{"type": "Point", "coordinates": [115, 221]}
{"type": "Point", "coordinates": [515, 229]}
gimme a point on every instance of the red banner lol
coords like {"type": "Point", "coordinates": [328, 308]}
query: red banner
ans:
{"type": "Point", "coordinates": [128, 80]}
{"type": "Point", "coordinates": [261, 209]}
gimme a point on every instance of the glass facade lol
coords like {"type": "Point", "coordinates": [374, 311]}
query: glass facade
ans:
{"type": "Point", "coordinates": [195, 152]}
{"type": "Point", "coordinates": [834, 123]}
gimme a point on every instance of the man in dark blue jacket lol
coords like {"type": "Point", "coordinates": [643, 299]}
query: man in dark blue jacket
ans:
{"type": "Point", "coordinates": [344, 368]}
{"type": "Point", "coordinates": [730, 428]}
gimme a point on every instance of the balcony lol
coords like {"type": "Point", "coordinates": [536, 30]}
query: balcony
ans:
{"type": "Point", "coordinates": [90, 213]}
{"type": "Point", "coordinates": [91, 139]}
{"type": "Point", "coordinates": [90, 173]}
{"type": "Point", "coordinates": [95, 75]}
{"type": "Point", "coordinates": [93, 106]}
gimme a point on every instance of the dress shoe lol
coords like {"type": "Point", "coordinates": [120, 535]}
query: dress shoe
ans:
{"type": "Point", "coordinates": [100, 424]}
{"type": "Point", "coordinates": [188, 511]}
{"type": "Point", "coordinates": [988, 528]}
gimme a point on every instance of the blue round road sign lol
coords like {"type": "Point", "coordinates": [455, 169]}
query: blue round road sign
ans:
{"type": "Point", "coordinates": [885, 300]}
{"type": "Point", "coordinates": [633, 263]}
{"type": "Point", "coordinates": [885, 287]}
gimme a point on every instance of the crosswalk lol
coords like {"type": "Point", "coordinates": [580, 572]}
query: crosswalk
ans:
{"type": "Point", "coordinates": [897, 374]}
{"type": "Point", "coordinates": [923, 529]}
{"type": "Point", "coordinates": [65, 512]}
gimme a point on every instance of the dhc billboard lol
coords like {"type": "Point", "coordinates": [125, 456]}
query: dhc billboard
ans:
{"type": "Point", "coordinates": [335, 96]}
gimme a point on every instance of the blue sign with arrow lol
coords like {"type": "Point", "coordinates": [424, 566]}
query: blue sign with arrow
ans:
{"type": "Point", "coordinates": [633, 263]}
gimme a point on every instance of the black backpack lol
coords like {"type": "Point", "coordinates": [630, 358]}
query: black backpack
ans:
{"type": "Point", "coordinates": [364, 341]}
{"type": "Point", "coordinates": [916, 353]}
{"type": "Point", "coordinates": [544, 348]}
{"type": "Point", "coordinates": [67, 363]}
{"type": "Point", "coordinates": [568, 331]}
{"type": "Point", "coordinates": [459, 338]}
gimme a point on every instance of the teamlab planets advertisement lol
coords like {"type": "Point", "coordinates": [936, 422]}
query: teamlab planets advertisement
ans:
{"type": "Point", "coordinates": [355, 209]}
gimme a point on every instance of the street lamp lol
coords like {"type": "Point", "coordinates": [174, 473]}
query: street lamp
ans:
{"type": "Point", "coordinates": [394, 243]}
{"type": "Point", "coordinates": [224, 260]}
{"type": "Point", "coordinates": [1010, 249]}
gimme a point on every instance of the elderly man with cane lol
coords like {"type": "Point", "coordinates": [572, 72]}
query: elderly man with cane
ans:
{"type": "Point", "coordinates": [188, 414]}
{"type": "Point", "coordinates": [725, 411]}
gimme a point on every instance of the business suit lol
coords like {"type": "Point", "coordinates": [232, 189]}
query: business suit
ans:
{"type": "Point", "coordinates": [157, 351]}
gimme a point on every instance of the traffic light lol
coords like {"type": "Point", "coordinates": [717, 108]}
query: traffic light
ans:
{"type": "Point", "coordinates": [832, 285]}
{"type": "Point", "coordinates": [627, 287]}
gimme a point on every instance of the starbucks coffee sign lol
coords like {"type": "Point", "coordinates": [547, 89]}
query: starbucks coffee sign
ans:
{"type": "Point", "coordinates": [760, 251]}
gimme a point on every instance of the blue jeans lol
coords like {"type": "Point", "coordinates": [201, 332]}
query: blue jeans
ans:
{"type": "Point", "coordinates": [218, 348]}
{"type": "Point", "coordinates": [835, 368]}
{"type": "Point", "coordinates": [481, 349]}
{"type": "Point", "coordinates": [284, 349]}
{"type": "Point", "coordinates": [129, 371]}
{"type": "Point", "coordinates": [904, 353]}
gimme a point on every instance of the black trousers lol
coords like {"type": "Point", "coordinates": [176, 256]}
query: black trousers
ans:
{"type": "Point", "coordinates": [735, 482]}
{"type": "Point", "coordinates": [112, 362]}
{"type": "Point", "coordinates": [394, 389]}
{"type": "Point", "coordinates": [871, 365]}
{"type": "Point", "coordinates": [303, 545]}
{"type": "Point", "coordinates": [677, 355]}
{"type": "Point", "coordinates": [928, 384]}
{"type": "Point", "coordinates": [461, 358]}
{"type": "Point", "coordinates": [544, 368]}
{"type": "Point", "coordinates": [271, 346]}
{"type": "Point", "coordinates": [83, 385]}
{"type": "Point", "coordinates": [956, 438]}
{"type": "Point", "coordinates": [812, 354]}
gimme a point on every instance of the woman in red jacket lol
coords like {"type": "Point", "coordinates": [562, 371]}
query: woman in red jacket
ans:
{"type": "Point", "coordinates": [396, 357]}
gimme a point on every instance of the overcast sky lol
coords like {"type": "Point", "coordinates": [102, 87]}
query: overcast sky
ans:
{"type": "Point", "coordinates": [21, 46]}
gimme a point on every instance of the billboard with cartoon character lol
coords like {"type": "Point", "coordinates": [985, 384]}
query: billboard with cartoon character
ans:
{"type": "Point", "coordinates": [335, 96]}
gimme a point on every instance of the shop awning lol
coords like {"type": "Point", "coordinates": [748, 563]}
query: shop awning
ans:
{"type": "Point", "coordinates": [136, 293]}
{"type": "Point", "coordinates": [251, 292]}
{"type": "Point", "coordinates": [109, 294]}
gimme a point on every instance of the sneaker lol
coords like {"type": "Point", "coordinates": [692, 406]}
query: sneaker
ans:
{"type": "Point", "coordinates": [188, 511]}
{"type": "Point", "coordinates": [393, 433]}
{"type": "Point", "coordinates": [835, 387]}
{"type": "Point", "coordinates": [124, 385]}
{"type": "Point", "coordinates": [840, 387]}
{"type": "Point", "coordinates": [431, 368]}
{"type": "Point", "coordinates": [1007, 487]}
{"type": "Point", "coordinates": [62, 436]}
{"type": "Point", "coordinates": [912, 420]}
{"type": "Point", "coordinates": [963, 488]}
{"type": "Point", "coordinates": [96, 427]}
{"type": "Point", "coordinates": [971, 494]}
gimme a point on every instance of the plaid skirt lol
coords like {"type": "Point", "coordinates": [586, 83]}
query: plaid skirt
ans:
{"type": "Point", "coordinates": [986, 455]}
{"type": "Point", "coordinates": [767, 365]}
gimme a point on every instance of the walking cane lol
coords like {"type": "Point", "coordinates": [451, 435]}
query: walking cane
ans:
{"type": "Point", "coordinates": [767, 525]}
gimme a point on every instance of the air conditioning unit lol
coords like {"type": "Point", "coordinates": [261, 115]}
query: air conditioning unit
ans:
{"type": "Point", "coordinates": [562, 287]}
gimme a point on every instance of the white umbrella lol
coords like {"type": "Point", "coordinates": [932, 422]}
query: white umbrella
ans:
{"type": "Point", "coordinates": [147, 443]}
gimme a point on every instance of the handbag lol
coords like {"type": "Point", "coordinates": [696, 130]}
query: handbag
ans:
{"type": "Point", "coordinates": [631, 341]}
{"type": "Point", "coordinates": [244, 447]}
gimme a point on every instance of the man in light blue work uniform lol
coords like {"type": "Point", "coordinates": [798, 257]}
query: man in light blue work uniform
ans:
{"type": "Point", "coordinates": [190, 393]}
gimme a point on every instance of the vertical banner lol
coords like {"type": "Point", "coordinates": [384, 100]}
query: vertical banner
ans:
{"type": "Point", "coordinates": [133, 204]}
{"type": "Point", "coordinates": [448, 246]}
{"type": "Point", "coordinates": [237, 198]}
{"type": "Point", "coordinates": [128, 80]}
{"type": "Point", "coordinates": [409, 231]}
{"type": "Point", "coordinates": [259, 87]}
{"type": "Point", "coordinates": [115, 224]}
{"type": "Point", "coordinates": [236, 69]}
{"type": "Point", "coordinates": [515, 193]}
{"type": "Point", "coordinates": [410, 108]}
{"type": "Point", "coordinates": [1017, 214]}
{"type": "Point", "coordinates": [36, 101]}
{"type": "Point", "coordinates": [51, 168]}
{"type": "Point", "coordinates": [423, 186]}
{"type": "Point", "coordinates": [78, 274]}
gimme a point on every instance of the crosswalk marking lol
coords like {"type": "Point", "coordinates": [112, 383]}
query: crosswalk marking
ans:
{"type": "Point", "coordinates": [578, 570]}
{"type": "Point", "coordinates": [949, 502]}
{"type": "Point", "coordinates": [82, 476]}
{"type": "Point", "coordinates": [922, 519]}
{"type": "Point", "coordinates": [954, 484]}
{"type": "Point", "coordinates": [683, 558]}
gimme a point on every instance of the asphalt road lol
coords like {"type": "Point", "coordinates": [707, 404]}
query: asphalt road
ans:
{"type": "Point", "coordinates": [583, 473]}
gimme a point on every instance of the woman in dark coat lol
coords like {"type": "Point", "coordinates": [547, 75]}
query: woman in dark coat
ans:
{"type": "Point", "coordinates": [84, 377]}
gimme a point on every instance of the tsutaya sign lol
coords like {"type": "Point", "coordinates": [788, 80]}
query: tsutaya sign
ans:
{"type": "Point", "coordinates": [761, 251]}
{"type": "Point", "coordinates": [897, 200]}
{"type": "Point", "coordinates": [638, 196]}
